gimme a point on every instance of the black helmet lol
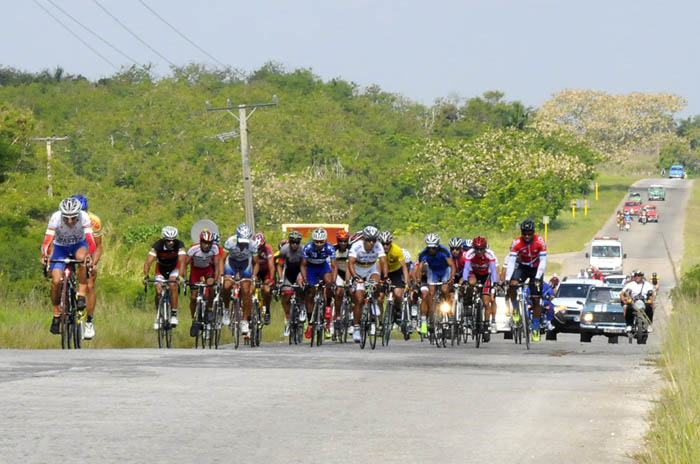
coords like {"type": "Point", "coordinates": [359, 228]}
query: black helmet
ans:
{"type": "Point", "coordinates": [528, 225]}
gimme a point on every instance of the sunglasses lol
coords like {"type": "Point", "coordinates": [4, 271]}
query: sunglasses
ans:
{"type": "Point", "coordinates": [371, 240]}
{"type": "Point", "coordinates": [319, 242]}
{"type": "Point", "coordinates": [479, 249]}
{"type": "Point", "coordinates": [294, 242]}
{"type": "Point", "coordinates": [455, 249]}
{"type": "Point", "coordinates": [342, 241]}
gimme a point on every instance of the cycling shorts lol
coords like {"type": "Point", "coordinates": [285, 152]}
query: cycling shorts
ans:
{"type": "Point", "coordinates": [438, 276]}
{"type": "Point", "coordinates": [264, 275]}
{"type": "Point", "coordinates": [340, 278]}
{"type": "Point", "coordinates": [165, 273]}
{"type": "Point", "coordinates": [243, 268]}
{"type": "Point", "coordinates": [364, 273]}
{"type": "Point", "coordinates": [287, 284]}
{"type": "Point", "coordinates": [315, 273]}
{"type": "Point", "coordinates": [65, 251]}
{"type": "Point", "coordinates": [396, 278]}
{"type": "Point", "coordinates": [485, 280]}
{"type": "Point", "coordinates": [196, 273]}
{"type": "Point", "coordinates": [522, 273]}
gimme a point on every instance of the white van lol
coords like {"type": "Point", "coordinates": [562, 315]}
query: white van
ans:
{"type": "Point", "coordinates": [606, 255]}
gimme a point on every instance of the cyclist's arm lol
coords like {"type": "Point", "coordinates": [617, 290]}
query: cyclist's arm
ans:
{"type": "Point", "coordinates": [218, 268]}
{"type": "Point", "coordinates": [334, 271]}
{"type": "Point", "coordinates": [404, 269]}
{"type": "Point", "coordinates": [149, 260]}
{"type": "Point", "coordinates": [510, 265]}
{"type": "Point", "coordinates": [351, 267]}
{"type": "Point", "coordinates": [271, 266]}
{"type": "Point", "coordinates": [280, 268]}
{"type": "Point", "coordinates": [256, 267]}
{"type": "Point", "coordinates": [383, 267]}
{"type": "Point", "coordinates": [182, 264]}
{"type": "Point", "coordinates": [453, 269]}
{"type": "Point", "coordinates": [48, 239]}
{"type": "Point", "coordinates": [98, 250]}
{"type": "Point", "coordinates": [494, 272]}
{"type": "Point", "coordinates": [303, 269]}
{"type": "Point", "coordinates": [467, 269]}
{"type": "Point", "coordinates": [542, 265]}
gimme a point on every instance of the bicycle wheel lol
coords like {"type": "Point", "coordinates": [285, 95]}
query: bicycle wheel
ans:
{"type": "Point", "coordinates": [218, 317]}
{"type": "Point", "coordinates": [253, 323]}
{"type": "Point", "coordinates": [78, 333]}
{"type": "Point", "coordinates": [160, 333]}
{"type": "Point", "coordinates": [478, 322]}
{"type": "Point", "coordinates": [364, 326]}
{"type": "Point", "coordinates": [260, 324]}
{"type": "Point", "coordinates": [526, 326]}
{"type": "Point", "coordinates": [236, 324]}
{"type": "Point", "coordinates": [387, 325]}
{"type": "Point", "coordinates": [373, 321]}
{"type": "Point", "coordinates": [312, 323]}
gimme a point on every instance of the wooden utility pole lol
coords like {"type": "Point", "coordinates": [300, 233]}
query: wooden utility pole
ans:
{"type": "Point", "coordinates": [49, 141]}
{"type": "Point", "coordinates": [243, 123]}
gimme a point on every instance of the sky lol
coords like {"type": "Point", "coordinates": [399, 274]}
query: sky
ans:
{"type": "Point", "coordinates": [422, 50]}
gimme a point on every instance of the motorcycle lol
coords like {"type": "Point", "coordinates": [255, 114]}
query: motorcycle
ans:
{"type": "Point", "coordinates": [640, 322]}
{"type": "Point", "coordinates": [628, 226]}
{"type": "Point", "coordinates": [643, 219]}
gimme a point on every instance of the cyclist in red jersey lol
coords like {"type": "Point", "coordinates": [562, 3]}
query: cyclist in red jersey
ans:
{"type": "Point", "coordinates": [266, 269]}
{"type": "Point", "coordinates": [527, 261]}
{"type": "Point", "coordinates": [459, 256]}
{"type": "Point", "coordinates": [482, 266]}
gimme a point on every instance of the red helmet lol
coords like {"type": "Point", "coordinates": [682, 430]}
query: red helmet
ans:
{"type": "Point", "coordinates": [479, 242]}
{"type": "Point", "coordinates": [342, 235]}
{"type": "Point", "coordinates": [206, 236]}
{"type": "Point", "coordinates": [259, 240]}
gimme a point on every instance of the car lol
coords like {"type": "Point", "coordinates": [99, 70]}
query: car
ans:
{"type": "Point", "coordinates": [615, 279]}
{"type": "Point", "coordinates": [603, 314]}
{"type": "Point", "coordinates": [632, 207]}
{"type": "Point", "coordinates": [568, 303]}
{"type": "Point", "coordinates": [635, 196]}
{"type": "Point", "coordinates": [656, 193]}
{"type": "Point", "coordinates": [676, 172]}
{"type": "Point", "coordinates": [652, 213]}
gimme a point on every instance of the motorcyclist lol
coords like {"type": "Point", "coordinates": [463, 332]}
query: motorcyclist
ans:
{"type": "Point", "coordinates": [643, 216]}
{"type": "Point", "coordinates": [548, 294]}
{"type": "Point", "coordinates": [638, 286]}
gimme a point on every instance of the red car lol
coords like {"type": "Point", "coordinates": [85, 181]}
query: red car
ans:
{"type": "Point", "coordinates": [632, 207]}
{"type": "Point", "coordinates": [652, 213]}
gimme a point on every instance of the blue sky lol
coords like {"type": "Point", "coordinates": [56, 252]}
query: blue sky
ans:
{"type": "Point", "coordinates": [420, 49]}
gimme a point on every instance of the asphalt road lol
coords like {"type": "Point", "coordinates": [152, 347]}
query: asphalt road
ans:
{"type": "Point", "coordinates": [562, 401]}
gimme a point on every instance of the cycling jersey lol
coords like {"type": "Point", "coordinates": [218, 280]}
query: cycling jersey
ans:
{"type": "Point", "coordinates": [341, 259]}
{"type": "Point", "coordinates": [236, 253]}
{"type": "Point", "coordinates": [65, 235]}
{"type": "Point", "coordinates": [481, 265]}
{"type": "Point", "coordinates": [315, 256]}
{"type": "Point", "coordinates": [292, 261]}
{"type": "Point", "coordinates": [532, 254]}
{"type": "Point", "coordinates": [96, 224]}
{"type": "Point", "coordinates": [202, 259]}
{"type": "Point", "coordinates": [364, 257]}
{"type": "Point", "coordinates": [438, 261]}
{"type": "Point", "coordinates": [460, 262]}
{"type": "Point", "coordinates": [264, 254]}
{"type": "Point", "coordinates": [394, 257]}
{"type": "Point", "coordinates": [167, 258]}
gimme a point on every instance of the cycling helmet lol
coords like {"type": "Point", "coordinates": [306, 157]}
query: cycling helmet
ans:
{"type": "Point", "coordinates": [70, 207]}
{"type": "Point", "coordinates": [467, 243]}
{"type": "Point", "coordinates": [479, 242]}
{"type": "Point", "coordinates": [216, 237]}
{"type": "Point", "coordinates": [206, 236]}
{"type": "Point", "coordinates": [638, 273]}
{"type": "Point", "coordinates": [319, 234]}
{"type": "Point", "coordinates": [83, 201]}
{"type": "Point", "coordinates": [355, 237]}
{"type": "Point", "coordinates": [169, 233]}
{"type": "Point", "coordinates": [341, 235]}
{"type": "Point", "coordinates": [528, 225]}
{"type": "Point", "coordinates": [406, 255]}
{"type": "Point", "coordinates": [243, 231]}
{"type": "Point", "coordinates": [259, 240]}
{"type": "Point", "coordinates": [456, 242]}
{"type": "Point", "coordinates": [654, 275]}
{"type": "Point", "coordinates": [295, 236]}
{"type": "Point", "coordinates": [282, 243]}
{"type": "Point", "coordinates": [370, 233]}
{"type": "Point", "coordinates": [432, 240]}
{"type": "Point", "coordinates": [386, 237]}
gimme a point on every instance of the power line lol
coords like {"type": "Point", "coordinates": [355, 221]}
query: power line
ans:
{"type": "Point", "coordinates": [75, 35]}
{"type": "Point", "coordinates": [132, 33]}
{"type": "Point", "coordinates": [92, 32]}
{"type": "Point", "coordinates": [180, 33]}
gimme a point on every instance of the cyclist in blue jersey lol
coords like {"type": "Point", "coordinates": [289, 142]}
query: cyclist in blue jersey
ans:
{"type": "Point", "coordinates": [315, 266]}
{"type": "Point", "coordinates": [242, 261]}
{"type": "Point", "coordinates": [547, 296]}
{"type": "Point", "coordinates": [440, 268]}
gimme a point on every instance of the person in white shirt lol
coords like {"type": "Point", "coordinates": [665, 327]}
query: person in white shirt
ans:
{"type": "Point", "coordinates": [636, 287]}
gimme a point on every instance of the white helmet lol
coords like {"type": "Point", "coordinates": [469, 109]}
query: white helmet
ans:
{"type": "Point", "coordinates": [370, 233]}
{"type": "Point", "coordinates": [432, 240]}
{"type": "Point", "coordinates": [406, 255]}
{"type": "Point", "coordinates": [319, 234]}
{"type": "Point", "coordinates": [169, 233]}
{"type": "Point", "coordinates": [70, 207]}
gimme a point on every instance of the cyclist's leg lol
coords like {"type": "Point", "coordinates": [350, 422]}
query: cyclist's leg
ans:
{"type": "Point", "coordinates": [174, 290]}
{"type": "Point", "coordinates": [91, 297]}
{"type": "Point", "coordinates": [80, 254]}
{"type": "Point", "coordinates": [339, 290]}
{"type": "Point", "coordinates": [246, 297]}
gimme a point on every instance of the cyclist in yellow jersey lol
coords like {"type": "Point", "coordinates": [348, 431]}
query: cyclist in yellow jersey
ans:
{"type": "Point", "coordinates": [396, 269]}
{"type": "Point", "coordinates": [91, 297]}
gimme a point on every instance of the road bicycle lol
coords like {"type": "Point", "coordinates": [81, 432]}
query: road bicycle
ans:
{"type": "Point", "coordinates": [520, 323]}
{"type": "Point", "coordinates": [236, 311]}
{"type": "Point", "coordinates": [317, 320]}
{"type": "Point", "coordinates": [297, 316]}
{"type": "Point", "coordinates": [202, 326]}
{"type": "Point", "coordinates": [256, 320]}
{"type": "Point", "coordinates": [441, 320]}
{"type": "Point", "coordinates": [165, 311]}
{"type": "Point", "coordinates": [72, 319]}
{"type": "Point", "coordinates": [341, 326]}
{"type": "Point", "coordinates": [388, 316]}
{"type": "Point", "coordinates": [369, 319]}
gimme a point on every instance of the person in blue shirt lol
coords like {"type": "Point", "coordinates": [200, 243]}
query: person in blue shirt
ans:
{"type": "Point", "coordinates": [318, 263]}
{"type": "Point", "coordinates": [441, 269]}
{"type": "Point", "coordinates": [547, 297]}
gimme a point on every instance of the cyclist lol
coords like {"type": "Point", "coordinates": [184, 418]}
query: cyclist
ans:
{"type": "Point", "coordinates": [638, 286]}
{"type": "Point", "coordinates": [655, 281]}
{"type": "Point", "coordinates": [70, 232]}
{"type": "Point", "coordinates": [482, 266]}
{"type": "Point", "coordinates": [289, 272]}
{"type": "Point", "coordinates": [527, 261]}
{"type": "Point", "coordinates": [342, 251]}
{"type": "Point", "coordinates": [396, 269]}
{"type": "Point", "coordinates": [203, 258]}
{"type": "Point", "coordinates": [241, 260]}
{"type": "Point", "coordinates": [440, 268]}
{"type": "Point", "coordinates": [314, 268]}
{"type": "Point", "coordinates": [458, 250]}
{"type": "Point", "coordinates": [366, 260]}
{"type": "Point", "coordinates": [91, 298]}
{"type": "Point", "coordinates": [169, 254]}
{"type": "Point", "coordinates": [266, 271]}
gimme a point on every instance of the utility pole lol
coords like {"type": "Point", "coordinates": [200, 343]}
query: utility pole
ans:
{"type": "Point", "coordinates": [243, 133]}
{"type": "Point", "coordinates": [49, 141]}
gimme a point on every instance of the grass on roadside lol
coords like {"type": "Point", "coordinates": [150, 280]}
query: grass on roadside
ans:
{"type": "Point", "coordinates": [691, 242]}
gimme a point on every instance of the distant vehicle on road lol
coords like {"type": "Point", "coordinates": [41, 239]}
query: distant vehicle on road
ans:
{"type": "Point", "coordinates": [656, 193]}
{"type": "Point", "coordinates": [632, 207]}
{"type": "Point", "coordinates": [652, 213]}
{"type": "Point", "coordinates": [635, 196]}
{"type": "Point", "coordinates": [569, 303]}
{"type": "Point", "coordinates": [606, 255]}
{"type": "Point", "coordinates": [615, 279]}
{"type": "Point", "coordinates": [676, 172]}
{"type": "Point", "coordinates": [603, 314]}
